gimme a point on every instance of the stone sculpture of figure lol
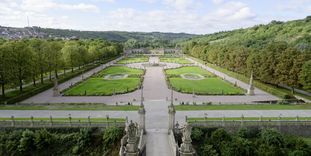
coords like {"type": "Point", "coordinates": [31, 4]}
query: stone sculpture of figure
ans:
{"type": "Point", "coordinates": [187, 133]}
{"type": "Point", "coordinates": [132, 147]}
{"type": "Point", "coordinates": [186, 147]}
{"type": "Point", "coordinates": [131, 132]}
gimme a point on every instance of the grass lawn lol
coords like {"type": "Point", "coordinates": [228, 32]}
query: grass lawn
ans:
{"type": "Point", "coordinates": [210, 85]}
{"type": "Point", "coordinates": [174, 60]}
{"type": "Point", "coordinates": [98, 86]}
{"type": "Point", "coordinates": [277, 91]}
{"type": "Point", "coordinates": [128, 60]}
{"type": "Point", "coordinates": [70, 106]}
{"type": "Point", "coordinates": [67, 119]}
{"type": "Point", "coordinates": [244, 107]}
{"type": "Point", "coordinates": [246, 118]}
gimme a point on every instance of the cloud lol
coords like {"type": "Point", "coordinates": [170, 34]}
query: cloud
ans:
{"type": "Point", "coordinates": [149, 1]}
{"type": "Point", "coordinates": [180, 4]}
{"type": "Point", "coordinates": [233, 11]}
{"type": "Point", "coordinates": [217, 1]}
{"type": "Point", "coordinates": [226, 16]}
{"type": "Point", "coordinates": [44, 5]}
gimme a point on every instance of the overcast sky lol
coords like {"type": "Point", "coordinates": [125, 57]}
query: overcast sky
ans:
{"type": "Point", "coordinates": [190, 16]}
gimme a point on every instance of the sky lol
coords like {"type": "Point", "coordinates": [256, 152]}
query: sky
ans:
{"type": "Point", "coordinates": [188, 16]}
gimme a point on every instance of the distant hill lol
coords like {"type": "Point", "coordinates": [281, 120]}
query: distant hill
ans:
{"type": "Point", "coordinates": [121, 36]}
{"type": "Point", "coordinates": [293, 32]}
{"type": "Point", "coordinates": [277, 53]}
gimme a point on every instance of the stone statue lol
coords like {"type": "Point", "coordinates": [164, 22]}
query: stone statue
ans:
{"type": "Point", "coordinates": [132, 131]}
{"type": "Point", "coordinates": [187, 133]}
{"type": "Point", "coordinates": [186, 146]}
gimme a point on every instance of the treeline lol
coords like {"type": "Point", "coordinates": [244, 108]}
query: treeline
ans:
{"type": "Point", "coordinates": [68, 141]}
{"type": "Point", "coordinates": [277, 53]}
{"type": "Point", "coordinates": [247, 142]}
{"type": "Point", "coordinates": [32, 59]}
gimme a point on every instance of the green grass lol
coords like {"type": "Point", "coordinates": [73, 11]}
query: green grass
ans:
{"type": "Point", "coordinates": [210, 85]}
{"type": "Point", "coordinates": [277, 91]}
{"type": "Point", "coordinates": [67, 119]}
{"type": "Point", "coordinates": [246, 118]}
{"type": "Point", "coordinates": [190, 69]}
{"type": "Point", "coordinates": [120, 70]}
{"type": "Point", "coordinates": [244, 107]}
{"type": "Point", "coordinates": [98, 86]}
{"type": "Point", "coordinates": [174, 60]}
{"type": "Point", "coordinates": [128, 60]}
{"type": "Point", "coordinates": [73, 106]}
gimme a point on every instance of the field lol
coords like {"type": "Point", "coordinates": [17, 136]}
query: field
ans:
{"type": "Point", "coordinates": [189, 80]}
{"type": "Point", "coordinates": [128, 60]}
{"type": "Point", "coordinates": [244, 107]}
{"type": "Point", "coordinates": [191, 120]}
{"type": "Point", "coordinates": [99, 85]}
{"type": "Point", "coordinates": [70, 106]}
{"type": "Point", "coordinates": [174, 60]}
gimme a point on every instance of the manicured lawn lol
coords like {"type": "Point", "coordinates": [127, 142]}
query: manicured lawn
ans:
{"type": "Point", "coordinates": [244, 107]}
{"type": "Point", "coordinates": [120, 70]}
{"type": "Point", "coordinates": [175, 60]}
{"type": "Point", "coordinates": [210, 85]}
{"type": "Point", "coordinates": [128, 60]}
{"type": "Point", "coordinates": [67, 119]}
{"type": "Point", "coordinates": [277, 91]}
{"type": "Point", "coordinates": [98, 86]}
{"type": "Point", "coordinates": [190, 69]}
{"type": "Point", "coordinates": [246, 118]}
{"type": "Point", "coordinates": [73, 106]}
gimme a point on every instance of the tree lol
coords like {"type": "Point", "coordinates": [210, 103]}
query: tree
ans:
{"type": "Point", "coordinates": [5, 73]}
{"type": "Point", "coordinates": [20, 58]}
{"type": "Point", "coordinates": [305, 75]}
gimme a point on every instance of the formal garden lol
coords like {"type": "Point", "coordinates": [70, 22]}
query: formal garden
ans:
{"type": "Point", "coordinates": [133, 59]}
{"type": "Point", "coordinates": [195, 80]}
{"type": "Point", "coordinates": [110, 81]}
{"type": "Point", "coordinates": [60, 141]}
{"type": "Point", "coordinates": [215, 142]}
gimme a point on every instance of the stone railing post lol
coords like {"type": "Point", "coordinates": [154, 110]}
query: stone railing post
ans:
{"type": "Point", "coordinates": [51, 121]}
{"type": "Point", "coordinates": [31, 121]}
{"type": "Point", "coordinates": [70, 124]}
{"type": "Point", "coordinates": [242, 120]}
{"type": "Point", "coordinates": [89, 121]}
{"type": "Point", "coordinates": [171, 112]}
{"type": "Point", "coordinates": [12, 121]}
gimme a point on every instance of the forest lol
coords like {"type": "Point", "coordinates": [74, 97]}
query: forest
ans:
{"type": "Point", "coordinates": [248, 142]}
{"type": "Point", "coordinates": [60, 141]}
{"type": "Point", "coordinates": [277, 53]}
{"type": "Point", "coordinates": [29, 60]}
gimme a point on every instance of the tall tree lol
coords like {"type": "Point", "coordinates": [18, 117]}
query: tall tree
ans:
{"type": "Point", "coordinates": [20, 57]}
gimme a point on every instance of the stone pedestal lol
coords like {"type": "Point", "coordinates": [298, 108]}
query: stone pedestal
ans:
{"type": "Point", "coordinates": [250, 90]}
{"type": "Point", "coordinates": [56, 91]}
{"type": "Point", "coordinates": [142, 118]}
{"type": "Point", "coordinates": [171, 112]}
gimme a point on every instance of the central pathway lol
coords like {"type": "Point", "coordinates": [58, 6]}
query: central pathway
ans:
{"type": "Point", "coordinates": [155, 93]}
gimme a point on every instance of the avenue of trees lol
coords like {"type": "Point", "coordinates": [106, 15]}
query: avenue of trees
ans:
{"type": "Point", "coordinates": [247, 142]}
{"type": "Point", "coordinates": [277, 53]}
{"type": "Point", "coordinates": [34, 59]}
